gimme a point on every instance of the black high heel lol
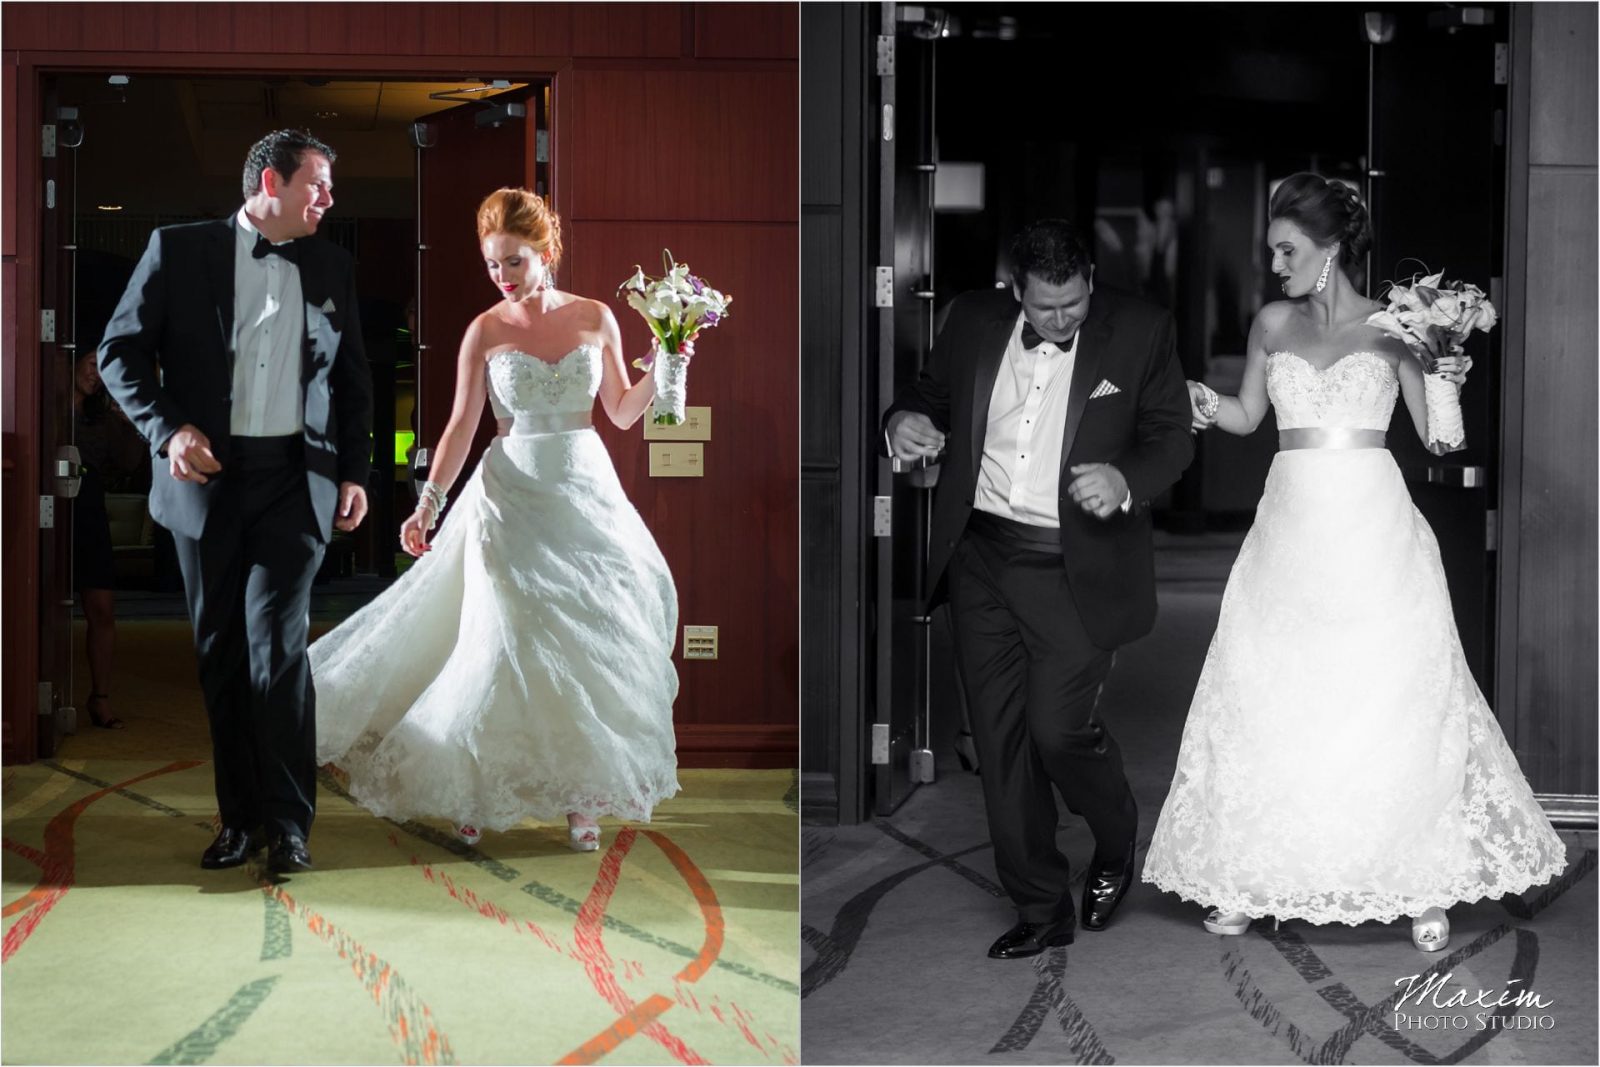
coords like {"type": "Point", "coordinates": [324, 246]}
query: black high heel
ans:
{"type": "Point", "coordinates": [967, 752]}
{"type": "Point", "coordinates": [112, 723]}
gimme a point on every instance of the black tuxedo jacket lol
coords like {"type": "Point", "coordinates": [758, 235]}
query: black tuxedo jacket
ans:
{"type": "Point", "coordinates": [167, 358]}
{"type": "Point", "coordinates": [1143, 431]}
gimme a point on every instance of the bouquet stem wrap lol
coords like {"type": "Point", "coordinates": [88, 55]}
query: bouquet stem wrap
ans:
{"type": "Point", "coordinates": [1446, 431]}
{"type": "Point", "coordinates": [671, 373]}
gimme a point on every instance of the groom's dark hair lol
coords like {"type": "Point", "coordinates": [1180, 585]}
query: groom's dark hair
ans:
{"type": "Point", "coordinates": [281, 150]}
{"type": "Point", "coordinates": [1050, 249]}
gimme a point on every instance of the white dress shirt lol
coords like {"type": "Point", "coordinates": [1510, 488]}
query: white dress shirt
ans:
{"type": "Point", "coordinates": [269, 331]}
{"type": "Point", "coordinates": [1019, 476]}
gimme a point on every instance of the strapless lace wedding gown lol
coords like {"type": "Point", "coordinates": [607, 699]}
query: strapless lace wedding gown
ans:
{"type": "Point", "coordinates": [1339, 763]}
{"type": "Point", "coordinates": [523, 666]}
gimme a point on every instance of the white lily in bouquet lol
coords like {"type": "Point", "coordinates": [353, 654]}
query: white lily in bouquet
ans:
{"type": "Point", "coordinates": [1433, 319]}
{"type": "Point", "coordinates": [676, 307]}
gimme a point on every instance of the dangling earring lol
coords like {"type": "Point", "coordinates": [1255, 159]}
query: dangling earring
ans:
{"type": "Point", "coordinates": [1322, 279]}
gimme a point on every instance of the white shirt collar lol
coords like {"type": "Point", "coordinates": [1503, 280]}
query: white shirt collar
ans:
{"type": "Point", "coordinates": [247, 230]}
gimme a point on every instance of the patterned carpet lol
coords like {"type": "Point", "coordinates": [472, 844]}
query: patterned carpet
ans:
{"type": "Point", "coordinates": [898, 915]}
{"type": "Point", "coordinates": [676, 943]}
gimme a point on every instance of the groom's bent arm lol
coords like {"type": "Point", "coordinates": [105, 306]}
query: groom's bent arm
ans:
{"type": "Point", "coordinates": [930, 393]}
{"type": "Point", "coordinates": [129, 349]}
{"type": "Point", "coordinates": [1164, 447]}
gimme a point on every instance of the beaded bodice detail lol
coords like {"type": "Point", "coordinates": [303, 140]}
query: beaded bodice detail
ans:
{"type": "Point", "coordinates": [1357, 392]}
{"type": "Point", "coordinates": [523, 385]}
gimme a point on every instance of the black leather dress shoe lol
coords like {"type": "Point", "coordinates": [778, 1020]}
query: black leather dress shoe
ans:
{"type": "Point", "coordinates": [288, 855]}
{"type": "Point", "coordinates": [230, 849]}
{"type": "Point", "coordinates": [1104, 890]}
{"type": "Point", "coordinates": [1029, 939]}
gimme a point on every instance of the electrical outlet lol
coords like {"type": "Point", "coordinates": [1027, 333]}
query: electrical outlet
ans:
{"type": "Point", "coordinates": [696, 426]}
{"type": "Point", "coordinates": [699, 642]}
{"type": "Point", "coordinates": [683, 459]}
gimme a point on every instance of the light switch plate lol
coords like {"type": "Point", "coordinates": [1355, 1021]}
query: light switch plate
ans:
{"type": "Point", "coordinates": [684, 459]}
{"type": "Point", "coordinates": [696, 426]}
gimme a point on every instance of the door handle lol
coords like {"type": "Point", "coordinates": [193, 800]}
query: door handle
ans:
{"type": "Point", "coordinates": [68, 460]}
{"type": "Point", "coordinates": [1452, 477]}
{"type": "Point", "coordinates": [420, 462]}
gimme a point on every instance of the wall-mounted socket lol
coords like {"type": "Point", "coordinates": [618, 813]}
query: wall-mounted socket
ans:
{"type": "Point", "coordinates": [681, 459]}
{"type": "Point", "coordinates": [696, 426]}
{"type": "Point", "coordinates": [699, 642]}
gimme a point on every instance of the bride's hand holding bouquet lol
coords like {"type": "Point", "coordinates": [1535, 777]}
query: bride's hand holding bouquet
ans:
{"type": "Point", "coordinates": [676, 307]}
{"type": "Point", "coordinates": [1433, 319]}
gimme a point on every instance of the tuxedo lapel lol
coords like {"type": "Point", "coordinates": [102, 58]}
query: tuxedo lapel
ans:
{"type": "Point", "coordinates": [311, 289]}
{"type": "Point", "coordinates": [993, 334]}
{"type": "Point", "coordinates": [219, 264]}
{"type": "Point", "coordinates": [1092, 340]}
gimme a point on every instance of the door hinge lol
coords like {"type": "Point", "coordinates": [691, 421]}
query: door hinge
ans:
{"type": "Point", "coordinates": [541, 146]}
{"type": "Point", "coordinates": [882, 516]}
{"type": "Point", "coordinates": [47, 325]}
{"type": "Point", "coordinates": [885, 55]}
{"type": "Point", "coordinates": [1502, 62]}
{"type": "Point", "coordinates": [47, 141]}
{"type": "Point", "coordinates": [47, 513]}
{"type": "Point", "coordinates": [883, 287]}
{"type": "Point", "coordinates": [1491, 530]}
{"type": "Point", "coordinates": [880, 743]}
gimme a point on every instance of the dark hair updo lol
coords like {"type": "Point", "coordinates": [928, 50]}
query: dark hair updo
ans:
{"type": "Point", "coordinates": [1326, 211]}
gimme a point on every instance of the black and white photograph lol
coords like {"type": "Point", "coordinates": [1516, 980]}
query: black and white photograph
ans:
{"type": "Point", "coordinates": [1198, 462]}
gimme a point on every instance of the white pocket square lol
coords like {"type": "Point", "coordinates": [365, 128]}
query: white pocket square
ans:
{"type": "Point", "coordinates": [1105, 388]}
{"type": "Point", "coordinates": [327, 306]}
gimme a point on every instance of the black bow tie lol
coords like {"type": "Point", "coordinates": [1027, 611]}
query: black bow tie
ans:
{"type": "Point", "coordinates": [1032, 340]}
{"type": "Point", "coordinates": [264, 248]}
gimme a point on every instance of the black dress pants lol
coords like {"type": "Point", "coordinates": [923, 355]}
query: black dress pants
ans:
{"type": "Point", "coordinates": [247, 580]}
{"type": "Point", "coordinates": [1033, 679]}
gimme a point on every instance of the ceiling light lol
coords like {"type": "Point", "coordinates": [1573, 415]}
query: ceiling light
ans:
{"type": "Point", "coordinates": [326, 114]}
{"type": "Point", "coordinates": [109, 207]}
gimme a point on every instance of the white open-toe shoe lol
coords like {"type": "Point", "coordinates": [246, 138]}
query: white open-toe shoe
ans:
{"type": "Point", "coordinates": [1430, 931]}
{"type": "Point", "coordinates": [1228, 923]}
{"type": "Point", "coordinates": [469, 834]}
{"type": "Point", "coordinates": [583, 838]}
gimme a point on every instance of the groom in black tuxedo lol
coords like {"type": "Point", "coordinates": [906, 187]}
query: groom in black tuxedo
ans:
{"type": "Point", "coordinates": [236, 350]}
{"type": "Point", "coordinates": [1065, 413]}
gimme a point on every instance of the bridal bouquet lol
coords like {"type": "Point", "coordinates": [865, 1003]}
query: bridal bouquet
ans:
{"type": "Point", "coordinates": [676, 307]}
{"type": "Point", "coordinates": [1435, 319]}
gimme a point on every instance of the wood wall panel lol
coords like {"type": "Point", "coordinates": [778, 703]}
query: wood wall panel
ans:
{"type": "Point", "coordinates": [8, 159]}
{"type": "Point", "coordinates": [627, 30]}
{"type": "Point", "coordinates": [821, 164]}
{"type": "Point", "coordinates": [747, 31]}
{"type": "Point", "coordinates": [1557, 638]}
{"type": "Point", "coordinates": [730, 537]}
{"type": "Point", "coordinates": [1563, 75]}
{"type": "Point", "coordinates": [684, 144]}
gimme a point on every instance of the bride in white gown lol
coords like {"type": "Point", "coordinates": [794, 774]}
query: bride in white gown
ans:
{"type": "Point", "coordinates": [522, 668]}
{"type": "Point", "coordinates": [1339, 763]}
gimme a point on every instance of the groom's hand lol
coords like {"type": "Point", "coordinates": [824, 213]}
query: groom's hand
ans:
{"type": "Point", "coordinates": [352, 507]}
{"type": "Point", "coordinates": [189, 456]}
{"type": "Point", "coordinates": [913, 435]}
{"type": "Point", "coordinates": [1098, 488]}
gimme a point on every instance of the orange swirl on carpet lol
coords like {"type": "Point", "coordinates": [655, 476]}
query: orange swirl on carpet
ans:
{"type": "Point", "coordinates": [59, 862]}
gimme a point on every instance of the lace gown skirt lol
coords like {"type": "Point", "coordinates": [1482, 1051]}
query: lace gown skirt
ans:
{"type": "Point", "coordinates": [522, 668]}
{"type": "Point", "coordinates": [1339, 763]}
